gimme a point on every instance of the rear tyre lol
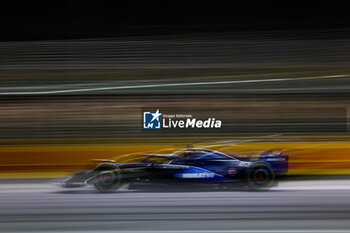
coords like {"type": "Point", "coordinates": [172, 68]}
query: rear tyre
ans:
{"type": "Point", "coordinates": [260, 177]}
{"type": "Point", "coordinates": [107, 178]}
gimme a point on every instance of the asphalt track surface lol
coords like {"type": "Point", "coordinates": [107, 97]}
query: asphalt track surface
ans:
{"type": "Point", "coordinates": [297, 207]}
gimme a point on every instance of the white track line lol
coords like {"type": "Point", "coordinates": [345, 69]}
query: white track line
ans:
{"type": "Point", "coordinates": [335, 187]}
{"type": "Point", "coordinates": [168, 85]}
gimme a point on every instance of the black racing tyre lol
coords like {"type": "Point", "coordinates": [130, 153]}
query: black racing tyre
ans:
{"type": "Point", "coordinates": [107, 178]}
{"type": "Point", "coordinates": [260, 177]}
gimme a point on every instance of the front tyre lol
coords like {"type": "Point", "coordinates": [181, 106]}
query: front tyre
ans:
{"type": "Point", "coordinates": [107, 178]}
{"type": "Point", "coordinates": [260, 177]}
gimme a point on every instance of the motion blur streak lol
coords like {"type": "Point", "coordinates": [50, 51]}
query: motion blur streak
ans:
{"type": "Point", "coordinates": [54, 161]}
{"type": "Point", "coordinates": [66, 103]}
{"type": "Point", "coordinates": [59, 97]}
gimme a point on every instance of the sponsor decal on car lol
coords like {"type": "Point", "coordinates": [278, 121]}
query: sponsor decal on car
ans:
{"type": "Point", "coordinates": [231, 171]}
{"type": "Point", "coordinates": [198, 175]}
{"type": "Point", "coordinates": [244, 164]}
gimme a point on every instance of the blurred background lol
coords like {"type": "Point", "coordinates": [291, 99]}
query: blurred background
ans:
{"type": "Point", "coordinates": [74, 79]}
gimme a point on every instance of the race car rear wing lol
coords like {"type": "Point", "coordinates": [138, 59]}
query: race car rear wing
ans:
{"type": "Point", "coordinates": [278, 161]}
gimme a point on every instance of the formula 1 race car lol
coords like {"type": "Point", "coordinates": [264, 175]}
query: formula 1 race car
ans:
{"type": "Point", "coordinates": [187, 167]}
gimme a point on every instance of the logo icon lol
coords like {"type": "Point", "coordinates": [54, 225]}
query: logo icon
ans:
{"type": "Point", "coordinates": [151, 120]}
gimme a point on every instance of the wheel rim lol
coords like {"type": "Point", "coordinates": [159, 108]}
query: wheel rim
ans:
{"type": "Point", "coordinates": [106, 178]}
{"type": "Point", "coordinates": [260, 177]}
